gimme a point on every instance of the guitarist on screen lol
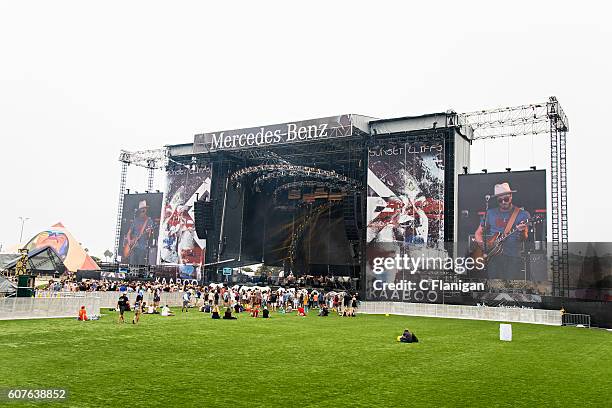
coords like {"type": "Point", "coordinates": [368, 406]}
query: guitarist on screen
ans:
{"type": "Point", "coordinates": [502, 219]}
{"type": "Point", "coordinates": [136, 243]}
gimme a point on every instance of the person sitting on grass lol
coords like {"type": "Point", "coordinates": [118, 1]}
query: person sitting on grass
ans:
{"type": "Point", "coordinates": [83, 314]}
{"type": "Point", "coordinates": [228, 314]}
{"type": "Point", "coordinates": [255, 312]}
{"type": "Point", "coordinates": [265, 313]}
{"type": "Point", "coordinates": [324, 311]}
{"type": "Point", "coordinates": [215, 313]}
{"type": "Point", "coordinates": [166, 311]}
{"type": "Point", "coordinates": [407, 337]}
{"type": "Point", "coordinates": [151, 309]}
{"type": "Point", "coordinates": [301, 311]}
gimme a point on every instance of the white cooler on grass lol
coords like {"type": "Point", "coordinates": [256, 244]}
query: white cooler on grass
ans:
{"type": "Point", "coordinates": [505, 332]}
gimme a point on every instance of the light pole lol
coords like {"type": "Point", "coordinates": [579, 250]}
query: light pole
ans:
{"type": "Point", "coordinates": [23, 220]}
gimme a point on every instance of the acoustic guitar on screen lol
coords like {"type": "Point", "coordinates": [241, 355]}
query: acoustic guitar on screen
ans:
{"type": "Point", "coordinates": [495, 242]}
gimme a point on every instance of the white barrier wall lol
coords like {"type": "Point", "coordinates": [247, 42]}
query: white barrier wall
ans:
{"type": "Point", "coordinates": [41, 308]}
{"type": "Point", "coordinates": [502, 314]}
{"type": "Point", "coordinates": [109, 299]}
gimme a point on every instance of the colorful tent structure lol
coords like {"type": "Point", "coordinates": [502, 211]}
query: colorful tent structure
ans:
{"type": "Point", "coordinates": [67, 247]}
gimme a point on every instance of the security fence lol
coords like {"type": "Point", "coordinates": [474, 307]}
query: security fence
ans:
{"type": "Point", "coordinates": [504, 314]}
{"type": "Point", "coordinates": [39, 308]}
{"type": "Point", "coordinates": [575, 319]}
{"type": "Point", "coordinates": [109, 299]}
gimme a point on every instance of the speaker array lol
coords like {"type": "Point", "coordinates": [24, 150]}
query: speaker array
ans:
{"type": "Point", "coordinates": [204, 221]}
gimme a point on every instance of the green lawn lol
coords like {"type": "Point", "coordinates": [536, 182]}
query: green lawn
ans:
{"type": "Point", "coordinates": [192, 360]}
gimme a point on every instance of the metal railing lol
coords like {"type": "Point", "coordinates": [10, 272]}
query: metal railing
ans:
{"type": "Point", "coordinates": [503, 314]}
{"type": "Point", "coordinates": [575, 319]}
{"type": "Point", "coordinates": [109, 299]}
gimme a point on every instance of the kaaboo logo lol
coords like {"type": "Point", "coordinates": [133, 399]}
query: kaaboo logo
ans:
{"type": "Point", "coordinates": [335, 126]}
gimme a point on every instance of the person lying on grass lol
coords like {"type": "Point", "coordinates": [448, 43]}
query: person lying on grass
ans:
{"type": "Point", "coordinates": [407, 337]}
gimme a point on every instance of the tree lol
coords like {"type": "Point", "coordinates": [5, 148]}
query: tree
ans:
{"type": "Point", "coordinates": [95, 258]}
{"type": "Point", "coordinates": [263, 270]}
{"type": "Point", "coordinates": [108, 254]}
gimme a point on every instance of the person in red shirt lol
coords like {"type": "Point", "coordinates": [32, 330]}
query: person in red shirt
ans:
{"type": "Point", "coordinates": [83, 314]}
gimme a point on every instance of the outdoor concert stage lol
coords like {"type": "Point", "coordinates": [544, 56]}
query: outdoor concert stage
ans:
{"type": "Point", "coordinates": [295, 195]}
{"type": "Point", "coordinates": [351, 197]}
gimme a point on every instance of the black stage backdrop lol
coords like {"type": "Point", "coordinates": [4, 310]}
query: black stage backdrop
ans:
{"type": "Point", "coordinates": [268, 231]}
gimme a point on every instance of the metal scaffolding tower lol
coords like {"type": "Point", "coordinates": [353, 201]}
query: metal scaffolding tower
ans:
{"type": "Point", "coordinates": [545, 118]}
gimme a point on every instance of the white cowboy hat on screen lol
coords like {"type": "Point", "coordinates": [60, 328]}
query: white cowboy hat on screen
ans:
{"type": "Point", "coordinates": [502, 189]}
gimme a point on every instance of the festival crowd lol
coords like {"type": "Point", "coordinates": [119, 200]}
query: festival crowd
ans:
{"type": "Point", "coordinates": [252, 299]}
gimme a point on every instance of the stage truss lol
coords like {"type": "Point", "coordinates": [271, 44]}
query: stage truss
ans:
{"type": "Point", "coordinates": [542, 119]}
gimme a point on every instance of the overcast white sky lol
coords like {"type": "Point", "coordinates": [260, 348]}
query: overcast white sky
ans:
{"type": "Point", "coordinates": [81, 80]}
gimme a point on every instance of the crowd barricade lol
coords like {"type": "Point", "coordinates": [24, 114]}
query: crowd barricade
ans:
{"type": "Point", "coordinates": [51, 307]}
{"type": "Point", "coordinates": [504, 314]}
{"type": "Point", "coordinates": [576, 319]}
{"type": "Point", "coordinates": [109, 299]}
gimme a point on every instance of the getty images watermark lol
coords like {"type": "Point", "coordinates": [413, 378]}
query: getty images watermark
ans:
{"type": "Point", "coordinates": [412, 265]}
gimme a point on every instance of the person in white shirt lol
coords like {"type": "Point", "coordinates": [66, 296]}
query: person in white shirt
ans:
{"type": "Point", "coordinates": [166, 311]}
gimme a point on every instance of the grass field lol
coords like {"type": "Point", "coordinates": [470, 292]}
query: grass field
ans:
{"type": "Point", "coordinates": [192, 360]}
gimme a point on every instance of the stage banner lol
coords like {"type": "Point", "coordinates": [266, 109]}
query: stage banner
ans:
{"type": "Point", "coordinates": [263, 136]}
{"type": "Point", "coordinates": [502, 218]}
{"type": "Point", "coordinates": [140, 228]}
{"type": "Point", "coordinates": [179, 241]}
{"type": "Point", "coordinates": [405, 212]}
